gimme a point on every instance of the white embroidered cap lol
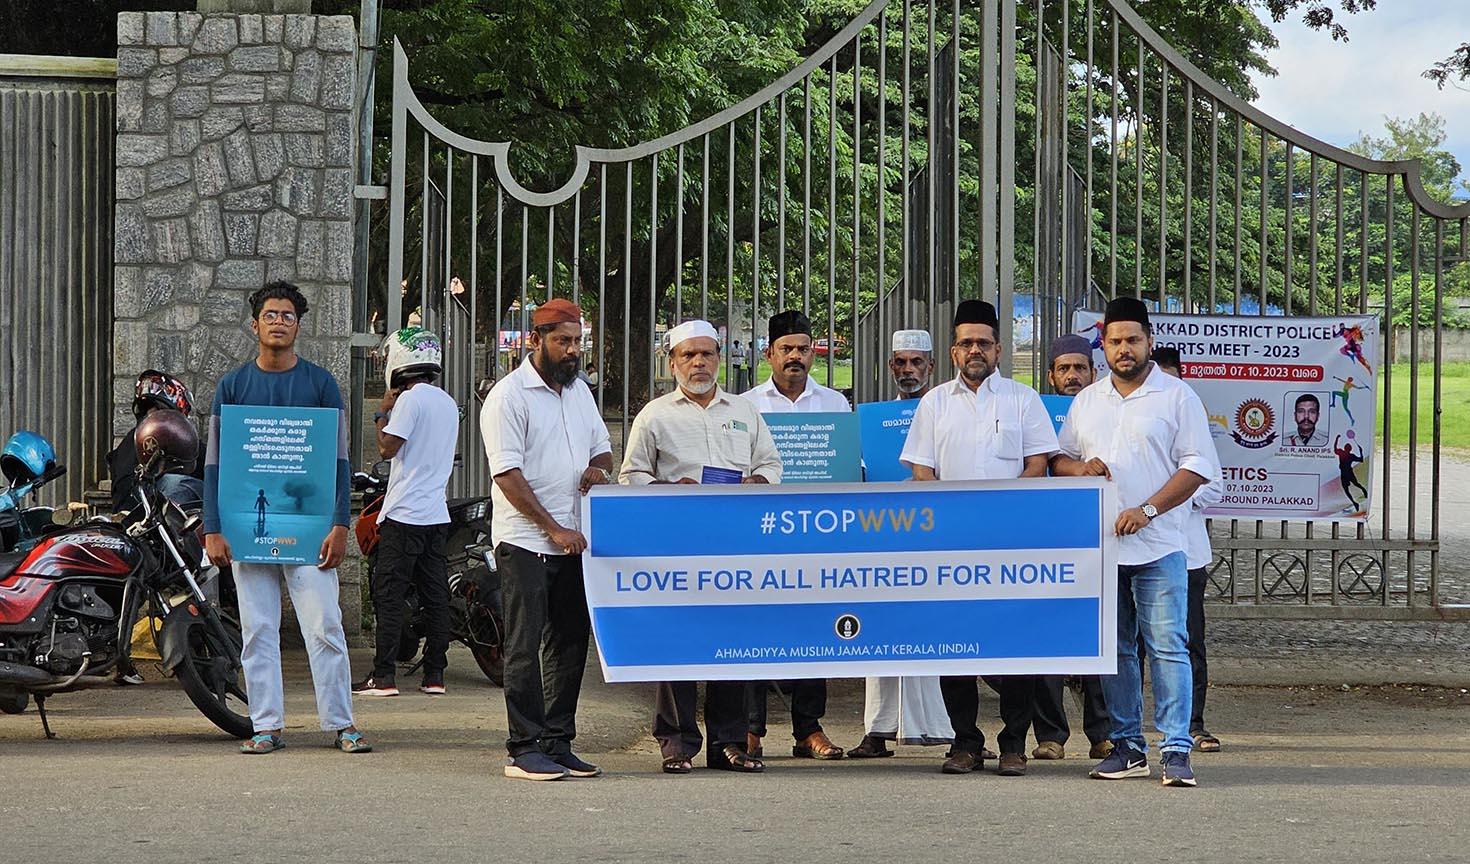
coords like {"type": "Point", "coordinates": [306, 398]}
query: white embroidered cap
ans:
{"type": "Point", "coordinates": [690, 330]}
{"type": "Point", "coordinates": [912, 340]}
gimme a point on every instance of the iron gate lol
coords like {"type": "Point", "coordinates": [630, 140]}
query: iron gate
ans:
{"type": "Point", "coordinates": [876, 184]}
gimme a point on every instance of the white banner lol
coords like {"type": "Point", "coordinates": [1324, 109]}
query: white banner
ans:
{"type": "Point", "coordinates": [1291, 402]}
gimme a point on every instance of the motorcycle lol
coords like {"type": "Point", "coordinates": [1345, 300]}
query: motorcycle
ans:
{"type": "Point", "coordinates": [475, 618]}
{"type": "Point", "coordinates": [21, 527]}
{"type": "Point", "coordinates": [69, 605]}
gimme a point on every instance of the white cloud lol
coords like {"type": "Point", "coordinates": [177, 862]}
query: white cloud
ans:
{"type": "Point", "coordinates": [1334, 90]}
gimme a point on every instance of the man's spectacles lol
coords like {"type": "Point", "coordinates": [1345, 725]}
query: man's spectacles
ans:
{"type": "Point", "coordinates": [271, 316]}
{"type": "Point", "coordinates": [968, 345]}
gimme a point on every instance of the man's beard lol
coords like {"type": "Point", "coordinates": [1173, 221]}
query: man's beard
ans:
{"type": "Point", "coordinates": [698, 389]}
{"type": "Point", "coordinates": [562, 373]}
{"type": "Point", "coordinates": [1138, 371]}
{"type": "Point", "coordinates": [985, 370]}
{"type": "Point", "coordinates": [908, 384]}
{"type": "Point", "coordinates": [1305, 432]}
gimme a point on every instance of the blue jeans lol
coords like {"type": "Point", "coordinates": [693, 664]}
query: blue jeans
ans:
{"type": "Point", "coordinates": [1152, 605]}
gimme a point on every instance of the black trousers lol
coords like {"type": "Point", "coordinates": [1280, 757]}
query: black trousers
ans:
{"type": "Point", "coordinates": [808, 705]}
{"type": "Point", "coordinates": [1199, 664]}
{"type": "Point", "coordinates": [547, 629]}
{"type": "Point", "coordinates": [1050, 721]}
{"type": "Point", "coordinates": [410, 555]}
{"type": "Point", "coordinates": [677, 728]}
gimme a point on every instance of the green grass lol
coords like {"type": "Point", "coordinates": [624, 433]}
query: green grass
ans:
{"type": "Point", "coordinates": [1455, 406]}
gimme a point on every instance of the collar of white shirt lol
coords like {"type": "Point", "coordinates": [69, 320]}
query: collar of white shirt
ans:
{"type": "Point", "coordinates": [1149, 385]}
{"type": "Point", "coordinates": [769, 390]}
{"type": "Point", "coordinates": [720, 396]}
{"type": "Point", "coordinates": [957, 386]}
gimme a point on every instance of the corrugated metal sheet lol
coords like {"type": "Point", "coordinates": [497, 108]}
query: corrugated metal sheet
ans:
{"type": "Point", "coordinates": [56, 194]}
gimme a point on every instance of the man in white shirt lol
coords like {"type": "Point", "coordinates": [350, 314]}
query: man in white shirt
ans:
{"type": "Point", "coordinates": [418, 426]}
{"type": "Point", "coordinates": [1148, 433]}
{"type": "Point", "coordinates": [547, 446]}
{"type": "Point", "coordinates": [981, 426]}
{"type": "Point", "coordinates": [909, 709]}
{"type": "Point", "coordinates": [1198, 554]}
{"type": "Point", "coordinates": [790, 390]}
{"type": "Point", "coordinates": [675, 439]}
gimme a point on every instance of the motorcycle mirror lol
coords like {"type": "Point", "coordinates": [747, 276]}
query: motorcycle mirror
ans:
{"type": "Point", "coordinates": [382, 469]}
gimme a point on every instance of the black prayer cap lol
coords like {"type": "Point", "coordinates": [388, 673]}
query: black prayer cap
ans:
{"type": "Point", "coordinates": [976, 312]}
{"type": "Point", "coordinates": [1126, 309]}
{"type": "Point", "coordinates": [786, 323]}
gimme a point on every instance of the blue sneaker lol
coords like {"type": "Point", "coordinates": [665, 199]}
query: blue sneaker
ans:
{"type": "Point", "coordinates": [1177, 771]}
{"type": "Point", "coordinates": [575, 766]}
{"type": "Point", "coordinates": [533, 766]}
{"type": "Point", "coordinates": [1125, 761]}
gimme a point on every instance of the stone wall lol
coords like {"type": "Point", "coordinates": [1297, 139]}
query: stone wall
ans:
{"type": "Point", "coordinates": [235, 146]}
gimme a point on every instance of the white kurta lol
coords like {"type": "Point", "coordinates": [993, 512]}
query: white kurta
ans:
{"type": "Point", "coordinates": [910, 709]}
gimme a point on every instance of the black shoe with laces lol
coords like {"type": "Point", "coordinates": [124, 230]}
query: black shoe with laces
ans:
{"type": "Point", "coordinates": [374, 686]}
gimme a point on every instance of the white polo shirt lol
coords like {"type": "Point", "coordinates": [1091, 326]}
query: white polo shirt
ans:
{"type": "Point", "coordinates": [551, 438]}
{"type": "Point", "coordinates": [674, 438]}
{"type": "Point", "coordinates": [815, 398]}
{"type": "Point", "coordinates": [427, 419]}
{"type": "Point", "coordinates": [1157, 430]}
{"type": "Point", "coordinates": [982, 434]}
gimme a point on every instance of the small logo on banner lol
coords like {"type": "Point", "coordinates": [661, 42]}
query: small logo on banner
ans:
{"type": "Point", "coordinates": [848, 626]}
{"type": "Point", "coordinates": [276, 550]}
{"type": "Point", "coordinates": [1255, 423]}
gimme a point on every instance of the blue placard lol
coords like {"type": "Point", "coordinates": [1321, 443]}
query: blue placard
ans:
{"type": "Point", "coordinates": [1057, 407]}
{"type": "Point", "coordinates": [817, 448]}
{"type": "Point", "coordinates": [764, 582]}
{"type": "Point", "coordinates": [277, 481]}
{"type": "Point", "coordinates": [885, 426]}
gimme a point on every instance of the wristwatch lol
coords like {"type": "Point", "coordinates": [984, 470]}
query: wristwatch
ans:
{"type": "Point", "coordinates": [1150, 511]}
{"type": "Point", "coordinates": [380, 415]}
{"type": "Point", "coordinates": [606, 474]}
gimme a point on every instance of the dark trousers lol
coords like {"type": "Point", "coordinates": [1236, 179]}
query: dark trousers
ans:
{"type": "Point", "coordinates": [1199, 665]}
{"type": "Point", "coordinates": [546, 633]}
{"type": "Point", "coordinates": [1050, 721]}
{"type": "Point", "coordinates": [808, 706]}
{"type": "Point", "coordinates": [676, 727]}
{"type": "Point", "coordinates": [962, 703]}
{"type": "Point", "coordinates": [410, 555]}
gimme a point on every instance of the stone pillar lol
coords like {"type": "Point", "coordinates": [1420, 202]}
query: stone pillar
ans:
{"type": "Point", "coordinates": [235, 154]}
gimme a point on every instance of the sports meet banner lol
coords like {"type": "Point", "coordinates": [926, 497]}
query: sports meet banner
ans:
{"type": "Point", "coordinates": [277, 481]}
{"type": "Point", "coordinates": [1291, 404]}
{"type": "Point", "coordinates": [768, 582]}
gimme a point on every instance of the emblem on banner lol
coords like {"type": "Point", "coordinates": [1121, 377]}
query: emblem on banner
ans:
{"type": "Point", "coordinates": [848, 626]}
{"type": "Point", "coordinates": [1255, 424]}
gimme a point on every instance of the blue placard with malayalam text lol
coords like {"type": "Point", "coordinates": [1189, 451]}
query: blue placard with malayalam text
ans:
{"type": "Point", "coordinates": [885, 426]}
{"type": "Point", "coordinates": [277, 481]}
{"type": "Point", "coordinates": [820, 447]}
{"type": "Point", "coordinates": [1057, 408]}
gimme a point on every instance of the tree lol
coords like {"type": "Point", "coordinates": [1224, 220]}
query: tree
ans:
{"type": "Point", "coordinates": [1419, 138]}
{"type": "Point", "coordinates": [1322, 15]}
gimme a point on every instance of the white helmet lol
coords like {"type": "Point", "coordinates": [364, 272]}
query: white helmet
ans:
{"type": "Point", "coordinates": [411, 352]}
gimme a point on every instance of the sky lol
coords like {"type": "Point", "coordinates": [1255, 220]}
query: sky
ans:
{"type": "Point", "coordinates": [1334, 90]}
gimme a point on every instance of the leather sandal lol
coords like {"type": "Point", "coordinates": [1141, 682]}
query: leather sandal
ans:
{"type": "Point", "coordinates": [677, 765]}
{"type": "Point", "coordinates": [817, 746]}
{"type": "Point", "coordinates": [871, 747]}
{"type": "Point", "coordinates": [1204, 742]}
{"type": "Point", "coordinates": [732, 758]}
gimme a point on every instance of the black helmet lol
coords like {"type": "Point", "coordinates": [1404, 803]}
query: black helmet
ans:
{"type": "Point", "coordinates": [160, 390]}
{"type": "Point", "coordinates": [170, 434]}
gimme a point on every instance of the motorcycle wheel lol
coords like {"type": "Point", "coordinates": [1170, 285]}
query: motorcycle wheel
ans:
{"type": "Point", "coordinates": [491, 661]}
{"type": "Point", "coordinates": [14, 701]}
{"type": "Point", "coordinates": [207, 676]}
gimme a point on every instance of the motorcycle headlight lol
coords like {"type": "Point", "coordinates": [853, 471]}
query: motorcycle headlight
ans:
{"type": "Point", "coordinates": [476, 511]}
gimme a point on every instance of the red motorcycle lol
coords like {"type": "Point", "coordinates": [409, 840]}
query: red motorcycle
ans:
{"type": "Point", "coordinates": [68, 607]}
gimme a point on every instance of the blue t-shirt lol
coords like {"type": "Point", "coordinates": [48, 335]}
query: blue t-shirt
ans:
{"type": "Point", "coordinates": [305, 385]}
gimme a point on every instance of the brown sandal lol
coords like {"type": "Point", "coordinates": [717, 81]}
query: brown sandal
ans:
{"type": "Point", "coordinates": [817, 746]}
{"type": "Point", "coordinates": [677, 765]}
{"type": "Point", "coordinates": [732, 758]}
{"type": "Point", "coordinates": [871, 747]}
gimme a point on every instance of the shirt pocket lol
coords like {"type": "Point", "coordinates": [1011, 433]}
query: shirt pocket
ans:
{"type": "Point", "coordinates": [1007, 444]}
{"type": "Point", "coordinates": [1144, 431]}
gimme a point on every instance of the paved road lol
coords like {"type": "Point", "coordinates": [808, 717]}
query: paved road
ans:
{"type": "Point", "coordinates": [1367, 774]}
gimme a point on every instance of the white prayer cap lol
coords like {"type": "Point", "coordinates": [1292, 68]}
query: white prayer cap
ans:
{"type": "Point", "coordinates": [691, 330]}
{"type": "Point", "coordinates": [912, 340]}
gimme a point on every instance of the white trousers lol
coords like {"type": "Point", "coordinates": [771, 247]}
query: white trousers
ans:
{"type": "Point", "coordinates": [910, 709]}
{"type": "Point", "coordinates": [318, 611]}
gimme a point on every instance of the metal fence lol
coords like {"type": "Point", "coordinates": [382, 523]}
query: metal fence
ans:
{"type": "Point", "coordinates": [56, 188]}
{"type": "Point", "coordinates": [1053, 148]}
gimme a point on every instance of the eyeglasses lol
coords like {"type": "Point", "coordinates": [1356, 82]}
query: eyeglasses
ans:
{"type": "Point", "coordinates": [271, 316]}
{"type": "Point", "coordinates": [968, 345]}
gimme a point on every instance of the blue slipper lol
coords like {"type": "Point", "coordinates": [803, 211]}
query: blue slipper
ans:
{"type": "Point", "coordinates": [265, 742]}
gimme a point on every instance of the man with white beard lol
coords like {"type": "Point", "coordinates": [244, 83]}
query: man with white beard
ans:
{"type": "Point", "coordinates": [673, 440]}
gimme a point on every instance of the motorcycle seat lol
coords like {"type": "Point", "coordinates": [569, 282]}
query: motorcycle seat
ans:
{"type": "Point", "coordinates": [9, 561]}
